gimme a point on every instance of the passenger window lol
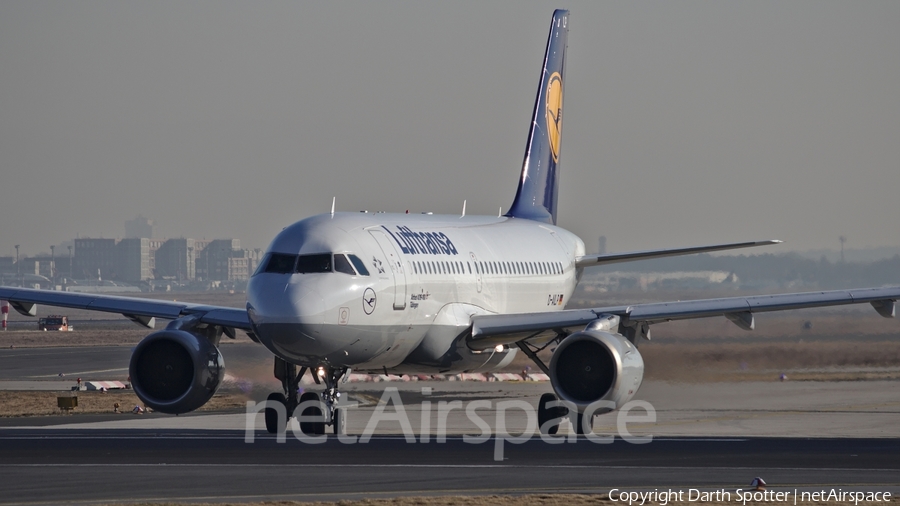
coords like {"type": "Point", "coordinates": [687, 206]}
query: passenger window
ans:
{"type": "Point", "coordinates": [309, 264]}
{"type": "Point", "coordinates": [341, 264]}
{"type": "Point", "coordinates": [359, 264]}
{"type": "Point", "coordinates": [469, 266]}
{"type": "Point", "coordinates": [280, 263]}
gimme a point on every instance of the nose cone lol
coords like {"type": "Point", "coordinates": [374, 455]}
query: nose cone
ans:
{"type": "Point", "coordinates": [279, 307]}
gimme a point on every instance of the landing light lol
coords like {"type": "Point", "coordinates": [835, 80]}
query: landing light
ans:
{"type": "Point", "coordinates": [498, 348]}
{"type": "Point", "coordinates": [321, 372]}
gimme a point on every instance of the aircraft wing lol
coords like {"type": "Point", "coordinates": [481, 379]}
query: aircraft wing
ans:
{"type": "Point", "coordinates": [141, 311]}
{"type": "Point", "coordinates": [612, 258]}
{"type": "Point", "coordinates": [490, 330]}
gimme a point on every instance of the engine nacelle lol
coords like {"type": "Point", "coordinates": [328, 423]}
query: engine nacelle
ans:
{"type": "Point", "coordinates": [174, 371]}
{"type": "Point", "coordinates": [593, 365]}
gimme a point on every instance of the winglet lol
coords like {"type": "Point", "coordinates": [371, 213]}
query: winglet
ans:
{"type": "Point", "coordinates": [536, 196]}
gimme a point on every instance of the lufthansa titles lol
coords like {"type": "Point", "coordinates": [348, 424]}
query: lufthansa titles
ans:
{"type": "Point", "coordinates": [422, 243]}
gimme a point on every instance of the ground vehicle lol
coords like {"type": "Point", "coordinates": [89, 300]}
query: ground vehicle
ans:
{"type": "Point", "coordinates": [55, 322]}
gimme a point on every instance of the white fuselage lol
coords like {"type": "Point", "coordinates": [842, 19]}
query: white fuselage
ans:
{"type": "Point", "coordinates": [427, 276]}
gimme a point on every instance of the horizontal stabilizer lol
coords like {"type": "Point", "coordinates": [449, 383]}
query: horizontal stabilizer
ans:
{"type": "Point", "coordinates": [612, 258]}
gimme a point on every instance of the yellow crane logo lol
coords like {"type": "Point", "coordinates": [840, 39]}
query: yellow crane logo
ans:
{"type": "Point", "coordinates": [554, 112]}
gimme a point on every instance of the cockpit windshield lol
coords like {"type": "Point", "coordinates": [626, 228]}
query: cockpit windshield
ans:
{"type": "Point", "coordinates": [341, 264]}
{"type": "Point", "coordinates": [283, 263]}
{"type": "Point", "coordinates": [308, 264]}
{"type": "Point", "coordinates": [279, 263]}
{"type": "Point", "coordinates": [360, 266]}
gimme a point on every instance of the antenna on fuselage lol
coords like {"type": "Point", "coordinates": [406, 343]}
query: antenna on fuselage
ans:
{"type": "Point", "coordinates": [500, 212]}
{"type": "Point", "coordinates": [333, 200]}
{"type": "Point", "coordinates": [464, 210]}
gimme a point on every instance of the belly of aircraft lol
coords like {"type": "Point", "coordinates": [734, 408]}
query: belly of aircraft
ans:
{"type": "Point", "coordinates": [369, 347]}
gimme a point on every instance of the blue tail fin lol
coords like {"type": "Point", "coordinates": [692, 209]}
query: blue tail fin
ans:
{"type": "Point", "coordinates": [536, 197]}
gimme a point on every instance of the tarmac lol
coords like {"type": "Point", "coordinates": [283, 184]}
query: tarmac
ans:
{"type": "Point", "coordinates": [800, 435]}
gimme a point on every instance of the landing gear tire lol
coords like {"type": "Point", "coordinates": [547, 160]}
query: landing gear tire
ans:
{"type": "Point", "coordinates": [546, 414]}
{"type": "Point", "coordinates": [276, 424]}
{"type": "Point", "coordinates": [314, 428]}
{"type": "Point", "coordinates": [583, 426]}
{"type": "Point", "coordinates": [339, 423]}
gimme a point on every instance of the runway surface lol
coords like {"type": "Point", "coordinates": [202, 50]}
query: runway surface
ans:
{"type": "Point", "coordinates": [96, 362]}
{"type": "Point", "coordinates": [706, 435]}
{"type": "Point", "coordinates": [56, 466]}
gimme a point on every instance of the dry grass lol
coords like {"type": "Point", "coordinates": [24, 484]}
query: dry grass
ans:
{"type": "Point", "coordinates": [489, 500]}
{"type": "Point", "coordinates": [41, 403]}
{"type": "Point", "coordinates": [842, 360]}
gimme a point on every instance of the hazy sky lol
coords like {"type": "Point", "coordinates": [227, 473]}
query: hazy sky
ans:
{"type": "Point", "coordinates": [684, 122]}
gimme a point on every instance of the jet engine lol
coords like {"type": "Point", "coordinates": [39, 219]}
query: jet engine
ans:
{"type": "Point", "coordinates": [174, 371]}
{"type": "Point", "coordinates": [594, 365]}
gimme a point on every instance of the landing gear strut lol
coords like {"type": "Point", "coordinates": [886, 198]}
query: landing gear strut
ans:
{"type": "Point", "coordinates": [319, 410]}
{"type": "Point", "coordinates": [547, 413]}
{"type": "Point", "coordinates": [332, 396]}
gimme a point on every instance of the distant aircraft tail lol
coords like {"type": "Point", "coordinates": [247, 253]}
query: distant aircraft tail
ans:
{"type": "Point", "coordinates": [536, 196]}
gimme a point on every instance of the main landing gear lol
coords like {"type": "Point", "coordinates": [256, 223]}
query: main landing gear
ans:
{"type": "Point", "coordinates": [318, 411]}
{"type": "Point", "coordinates": [546, 410]}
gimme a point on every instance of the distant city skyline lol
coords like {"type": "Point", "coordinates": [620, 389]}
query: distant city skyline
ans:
{"type": "Point", "coordinates": [685, 123]}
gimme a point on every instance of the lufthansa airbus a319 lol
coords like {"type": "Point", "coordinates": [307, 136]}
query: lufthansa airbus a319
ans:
{"type": "Point", "coordinates": [428, 294]}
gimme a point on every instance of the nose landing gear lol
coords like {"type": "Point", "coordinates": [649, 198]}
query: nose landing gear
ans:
{"type": "Point", "coordinates": [318, 410]}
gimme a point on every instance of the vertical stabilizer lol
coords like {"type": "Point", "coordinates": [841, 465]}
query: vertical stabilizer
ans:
{"type": "Point", "coordinates": [536, 196]}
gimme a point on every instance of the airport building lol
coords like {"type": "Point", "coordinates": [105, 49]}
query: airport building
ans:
{"type": "Point", "coordinates": [175, 259]}
{"type": "Point", "coordinates": [134, 260]}
{"type": "Point", "coordinates": [95, 259]}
